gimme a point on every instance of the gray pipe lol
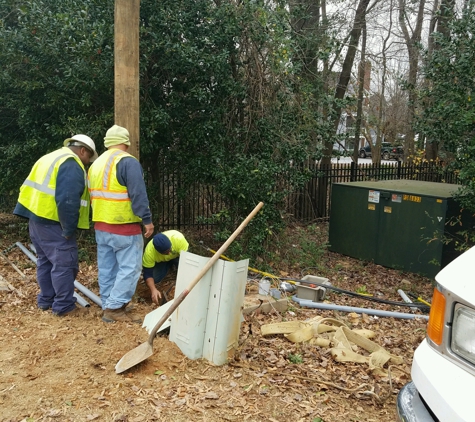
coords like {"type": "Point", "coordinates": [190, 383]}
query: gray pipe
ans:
{"type": "Point", "coordinates": [83, 289]}
{"type": "Point", "coordinates": [81, 301]}
{"type": "Point", "coordinates": [96, 299]}
{"type": "Point", "coordinates": [404, 296]}
{"type": "Point", "coordinates": [27, 252]}
{"type": "Point", "coordinates": [327, 306]}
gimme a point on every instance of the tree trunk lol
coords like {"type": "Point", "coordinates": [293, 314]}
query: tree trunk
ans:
{"type": "Point", "coordinates": [359, 109]}
{"type": "Point", "coordinates": [345, 74]}
{"type": "Point", "coordinates": [412, 42]}
{"type": "Point", "coordinates": [431, 148]}
{"type": "Point", "coordinates": [305, 30]}
{"type": "Point", "coordinates": [381, 115]}
{"type": "Point", "coordinates": [445, 15]}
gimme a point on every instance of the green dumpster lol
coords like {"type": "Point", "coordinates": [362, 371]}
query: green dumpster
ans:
{"type": "Point", "coordinates": [402, 224]}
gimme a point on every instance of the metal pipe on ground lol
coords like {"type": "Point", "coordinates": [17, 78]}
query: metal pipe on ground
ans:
{"type": "Point", "coordinates": [27, 252]}
{"type": "Point", "coordinates": [81, 301]}
{"type": "Point", "coordinates": [96, 299]}
{"type": "Point", "coordinates": [83, 289]}
{"type": "Point", "coordinates": [404, 296]}
{"type": "Point", "coordinates": [330, 307]}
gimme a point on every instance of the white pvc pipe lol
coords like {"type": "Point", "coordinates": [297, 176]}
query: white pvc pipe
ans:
{"type": "Point", "coordinates": [404, 296]}
{"type": "Point", "coordinates": [27, 252]}
{"type": "Point", "coordinates": [81, 301]}
{"type": "Point", "coordinates": [327, 306]}
{"type": "Point", "coordinates": [83, 289]}
{"type": "Point", "coordinates": [96, 299]}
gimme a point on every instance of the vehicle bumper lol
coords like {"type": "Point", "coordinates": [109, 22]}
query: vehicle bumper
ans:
{"type": "Point", "coordinates": [446, 388]}
{"type": "Point", "coordinates": [410, 407]}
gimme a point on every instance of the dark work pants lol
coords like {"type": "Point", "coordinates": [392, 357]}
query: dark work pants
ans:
{"type": "Point", "coordinates": [57, 266]}
{"type": "Point", "coordinates": [161, 269]}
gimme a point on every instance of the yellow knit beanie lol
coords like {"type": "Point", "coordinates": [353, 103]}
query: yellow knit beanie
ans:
{"type": "Point", "coordinates": [116, 135]}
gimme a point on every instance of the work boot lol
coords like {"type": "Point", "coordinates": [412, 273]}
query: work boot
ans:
{"type": "Point", "coordinates": [113, 315]}
{"type": "Point", "coordinates": [44, 308]}
{"type": "Point", "coordinates": [75, 312]}
{"type": "Point", "coordinates": [127, 307]}
{"type": "Point", "coordinates": [134, 317]}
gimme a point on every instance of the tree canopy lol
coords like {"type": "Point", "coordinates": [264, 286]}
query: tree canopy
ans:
{"type": "Point", "coordinates": [447, 108]}
{"type": "Point", "coordinates": [238, 95]}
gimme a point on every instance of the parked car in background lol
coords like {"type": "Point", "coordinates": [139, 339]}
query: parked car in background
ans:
{"type": "Point", "coordinates": [388, 151]}
{"type": "Point", "coordinates": [443, 368]}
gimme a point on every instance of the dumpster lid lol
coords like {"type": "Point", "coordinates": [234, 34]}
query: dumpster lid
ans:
{"type": "Point", "coordinates": [441, 190]}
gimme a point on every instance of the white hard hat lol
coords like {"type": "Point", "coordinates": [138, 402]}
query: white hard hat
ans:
{"type": "Point", "coordinates": [84, 140]}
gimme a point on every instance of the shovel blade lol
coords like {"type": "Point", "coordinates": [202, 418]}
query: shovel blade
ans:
{"type": "Point", "coordinates": [135, 356]}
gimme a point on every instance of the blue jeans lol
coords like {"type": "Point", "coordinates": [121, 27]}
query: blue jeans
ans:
{"type": "Point", "coordinates": [57, 266]}
{"type": "Point", "coordinates": [161, 269]}
{"type": "Point", "coordinates": [119, 261]}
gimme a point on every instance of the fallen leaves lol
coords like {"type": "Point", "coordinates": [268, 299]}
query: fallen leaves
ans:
{"type": "Point", "coordinates": [49, 362]}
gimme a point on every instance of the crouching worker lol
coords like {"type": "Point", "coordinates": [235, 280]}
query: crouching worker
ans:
{"type": "Point", "coordinates": [161, 254]}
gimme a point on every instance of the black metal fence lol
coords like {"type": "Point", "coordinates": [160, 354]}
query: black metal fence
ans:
{"type": "Point", "coordinates": [312, 202]}
{"type": "Point", "coordinates": [179, 206]}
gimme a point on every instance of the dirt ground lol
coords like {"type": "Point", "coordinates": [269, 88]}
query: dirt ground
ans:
{"type": "Point", "coordinates": [62, 369]}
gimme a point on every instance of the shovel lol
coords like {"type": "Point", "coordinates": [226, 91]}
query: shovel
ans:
{"type": "Point", "coordinates": [145, 350]}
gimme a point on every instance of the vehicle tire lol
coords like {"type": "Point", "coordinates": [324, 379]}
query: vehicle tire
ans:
{"type": "Point", "coordinates": [362, 154]}
{"type": "Point", "coordinates": [386, 155]}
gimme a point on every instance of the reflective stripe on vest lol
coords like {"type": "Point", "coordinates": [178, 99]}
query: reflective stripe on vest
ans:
{"type": "Point", "coordinates": [43, 187]}
{"type": "Point", "coordinates": [38, 190]}
{"type": "Point", "coordinates": [105, 191]}
{"type": "Point", "coordinates": [110, 200]}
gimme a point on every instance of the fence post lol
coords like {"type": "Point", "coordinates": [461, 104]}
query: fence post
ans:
{"type": "Point", "coordinates": [399, 166]}
{"type": "Point", "coordinates": [353, 172]}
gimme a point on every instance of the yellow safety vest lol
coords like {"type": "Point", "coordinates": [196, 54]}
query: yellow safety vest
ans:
{"type": "Point", "coordinates": [38, 190]}
{"type": "Point", "coordinates": [179, 244]}
{"type": "Point", "coordinates": [109, 199]}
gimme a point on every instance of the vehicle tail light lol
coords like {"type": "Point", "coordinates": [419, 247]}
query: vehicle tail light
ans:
{"type": "Point", "coordinates": [435, 328]}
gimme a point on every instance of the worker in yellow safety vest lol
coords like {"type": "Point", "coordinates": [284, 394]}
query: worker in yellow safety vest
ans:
{"type": "Point", "coordinates": [162, 254]}
{"type": "Point", "coordinates": [55, 200]}
{"type": "Point", "coordinates": [119, 208]}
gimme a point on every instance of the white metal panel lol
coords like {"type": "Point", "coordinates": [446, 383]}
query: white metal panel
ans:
{"type": "Point", "coordinates": [152, 318]}
{"type": "Point", "coordinates": [188, 322]}
{"type": "Point", "coordinates": [224, 310]}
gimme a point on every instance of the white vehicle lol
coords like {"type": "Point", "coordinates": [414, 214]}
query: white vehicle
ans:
{"type": "Point", "coordinates": [443, 369]}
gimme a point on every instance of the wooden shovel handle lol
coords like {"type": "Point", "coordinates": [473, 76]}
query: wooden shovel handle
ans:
{"type": "Point", "coordinates": [204, 270]}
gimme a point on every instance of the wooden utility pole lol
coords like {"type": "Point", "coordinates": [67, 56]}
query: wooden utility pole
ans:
{"type": "Point", "coordinates": [126, 70]}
